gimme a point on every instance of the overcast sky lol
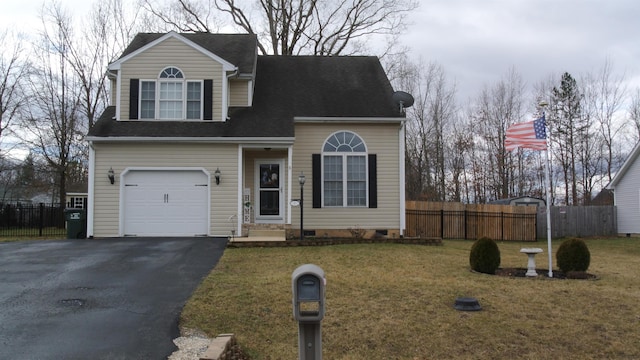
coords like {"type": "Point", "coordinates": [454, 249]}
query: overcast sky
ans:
{"type": "Point", "coordinates": [478, 41]}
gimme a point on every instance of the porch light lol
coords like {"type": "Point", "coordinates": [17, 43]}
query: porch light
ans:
{"type": "Point", "coordinates": [111, 175]}
{"type": "Point", "coordinates": [301, 180]}
{"type": "Point", "coordinates": [216, 174]}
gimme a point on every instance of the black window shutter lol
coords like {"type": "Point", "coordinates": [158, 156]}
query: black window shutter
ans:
{"type": "Point", "coordinates": [208, 100]}
{"type": "Point", "coordinates": [134, 90]}
{"type": "Point", "coordinates": [316, 169]}
{"type": "Point", "coordinates": [373, 182]}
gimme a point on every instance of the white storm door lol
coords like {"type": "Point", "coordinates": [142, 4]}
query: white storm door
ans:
{"type": "Point", "coordinates": [166, 203]}
{"type": "Point", "coordinates": [270, 194]}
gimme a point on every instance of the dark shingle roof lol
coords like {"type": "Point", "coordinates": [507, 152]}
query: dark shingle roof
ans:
{"type": "Point", "coordinates": [310, 86]}
{"type": "Point", "coordinates": [285, 87]}
{"type": "Point", "coordinates": [238, 49]}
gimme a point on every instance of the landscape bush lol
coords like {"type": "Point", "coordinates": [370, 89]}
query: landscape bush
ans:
{"type": "Point", "coordinates": [573, 256]}
{"type": "Point", "coordinates": [484, 256]}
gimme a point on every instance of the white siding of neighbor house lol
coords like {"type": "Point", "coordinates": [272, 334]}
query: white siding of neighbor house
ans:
{"type": "Point", "coordinates": [382, 140]}
{"type": "Point", "coordinates": [172, 52]}
{"type": "Point", "coordinates": [627, 200]}
{"type": "Point", "coordinates": [121, 156]}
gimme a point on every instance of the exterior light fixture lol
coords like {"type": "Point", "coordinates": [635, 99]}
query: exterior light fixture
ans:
{"type": "Point", "coordinates": [111, 175]}
{"type": "Point", "coordinates": [216, 174]}
{"type": "Point", "coordinates": [301, 180]}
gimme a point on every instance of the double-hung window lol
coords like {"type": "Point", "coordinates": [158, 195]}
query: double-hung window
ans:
{"type": "Point", "coordinates": [344, 170]}
{"type": "Point", "coordinates": [171, 97]}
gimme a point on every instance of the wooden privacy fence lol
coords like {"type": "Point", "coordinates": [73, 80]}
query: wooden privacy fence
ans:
{"type": "Point", "coordinates": [578, 221]}
{"type": "Point", "coordinates": [468, 221]}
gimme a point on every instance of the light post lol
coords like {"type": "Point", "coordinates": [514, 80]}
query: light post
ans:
{"type": "Point", "coordinates": [301, 180]}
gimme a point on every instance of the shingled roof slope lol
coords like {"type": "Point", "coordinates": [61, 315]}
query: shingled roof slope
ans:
{"type": "Point", "coordinates": [285, 87]}
{"type": "Point", "coordinates": [238, 49]}
{"type": "Point", "coordinates": [320, 86]}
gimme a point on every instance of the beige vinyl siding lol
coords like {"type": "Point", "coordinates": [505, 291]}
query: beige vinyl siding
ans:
{"type": "Point", "coordinates": [172, 52]}
{"type": "Point", "coordinates": [121, 156]}
{"type": "Point", "coordinates": [381, 140]}
{"type": "Point", "coordinates": [239, 93]}
{"type": "Point", "coordinates": [112, 92]}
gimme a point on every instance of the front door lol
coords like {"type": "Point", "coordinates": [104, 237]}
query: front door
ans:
{"type": "Point", "coordinates": [269, 180]}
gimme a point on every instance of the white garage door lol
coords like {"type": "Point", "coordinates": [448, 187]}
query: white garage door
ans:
{"type": "Point", "coordinates": [165, 203]}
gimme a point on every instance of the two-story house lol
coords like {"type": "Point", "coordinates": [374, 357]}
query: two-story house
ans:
{"type": "Point", "coordinates": [205, 137]}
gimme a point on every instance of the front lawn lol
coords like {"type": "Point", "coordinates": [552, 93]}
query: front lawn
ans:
{"type": "Point", "coordinates": [390, 301]}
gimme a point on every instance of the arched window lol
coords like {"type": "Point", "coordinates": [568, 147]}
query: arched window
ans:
{"type": "Point", "coordinates": [344, 170]}
{"type": "Point", "coordinates": [171, 73]}
{"type": "Point", "coordinates": [171, 97]}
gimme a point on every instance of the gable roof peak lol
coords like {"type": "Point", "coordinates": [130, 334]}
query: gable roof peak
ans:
{"type": "Point", "coordinates": [234, 51]}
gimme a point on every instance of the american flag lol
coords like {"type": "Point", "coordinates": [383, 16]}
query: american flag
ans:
{"type": "Point", "coordinates": [529, 135]}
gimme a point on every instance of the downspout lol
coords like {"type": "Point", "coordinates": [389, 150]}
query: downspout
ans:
{"type": "Point", "coordinates": [234, 73]}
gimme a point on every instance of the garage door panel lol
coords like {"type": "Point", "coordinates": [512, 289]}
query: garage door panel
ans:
{"type": "Point", "coordinates": [166, 203]}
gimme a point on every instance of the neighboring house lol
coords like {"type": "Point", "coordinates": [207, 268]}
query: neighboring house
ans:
{"type": "Point", "coordinates": [521, 200]}
{"type": "Point", "coordinates": [626, 194]}
{"type": "Point", "coordinates": [205, 137]}
{"type": "Point", "coordinates": [604, 198]}
{"type": "Point", "coordinates": [77, 200]}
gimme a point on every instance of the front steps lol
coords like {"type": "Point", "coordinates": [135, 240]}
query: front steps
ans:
{"type": "Point", "coordinates": [263, 233]}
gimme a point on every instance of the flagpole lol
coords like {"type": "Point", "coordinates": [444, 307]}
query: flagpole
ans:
{"type": "Point", "coordinates": [544, 104]}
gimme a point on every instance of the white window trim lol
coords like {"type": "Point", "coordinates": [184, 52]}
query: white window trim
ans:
{"type": "Point", "coordinates": [345, 180]}
{"type": "Point", "coordinates": [201, 82]}
{"type": "Point", "coordinates": [155, 99]}
{"type": "Point", "coordinates": [184, 81]}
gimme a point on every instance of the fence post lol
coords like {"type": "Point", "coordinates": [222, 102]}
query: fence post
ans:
{"type": "Point", "coordinates": [465, 223]}
{"type": "Point", "coordinates": [442, 224]}
{"type": "Point", "coordinates": [41, 221]}
{"type": "Point", "coordinates": [501, 225]}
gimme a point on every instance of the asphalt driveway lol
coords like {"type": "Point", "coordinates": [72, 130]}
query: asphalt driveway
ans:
{"type": "Point", "coordinates": [98, 299]}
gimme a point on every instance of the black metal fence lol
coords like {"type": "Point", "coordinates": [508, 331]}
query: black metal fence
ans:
{"type": "Point", "coordinates": [22, 220]}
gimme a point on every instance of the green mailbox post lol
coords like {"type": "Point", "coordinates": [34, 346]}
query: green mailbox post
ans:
{"type": "Point", "coordinates": [76, 223]}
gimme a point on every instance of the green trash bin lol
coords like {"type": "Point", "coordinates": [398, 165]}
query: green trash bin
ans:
{"type": "Point", "coordinates": [76, 223]}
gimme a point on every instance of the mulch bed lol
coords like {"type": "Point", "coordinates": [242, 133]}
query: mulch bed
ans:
{"type": "Point", "coordinates": [557, 274]}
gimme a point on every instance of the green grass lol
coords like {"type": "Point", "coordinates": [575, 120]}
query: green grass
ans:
{"type": "Point", "coordinates": [389, 301]}
{"type": "Point", "coordinates": [7, 235]}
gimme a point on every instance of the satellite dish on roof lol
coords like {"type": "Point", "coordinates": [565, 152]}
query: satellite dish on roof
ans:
{"type": "Point", "coordinates": [402, 99]}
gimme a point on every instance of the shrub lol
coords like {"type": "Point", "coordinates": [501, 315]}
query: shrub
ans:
{"type": "Point", "coordinates": [484, 256]}
{"type": "Point", "coordinates": [573, 255]}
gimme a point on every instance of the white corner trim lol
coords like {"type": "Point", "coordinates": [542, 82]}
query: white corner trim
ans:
{"type": "Point", "coordinates": [91, 191]}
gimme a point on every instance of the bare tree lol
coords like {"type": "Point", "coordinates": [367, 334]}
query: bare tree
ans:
{"type": "Point", "coordinates": [499, 107]}
{"type": "Point", "coordinates": [431, 115]}
{"type": "Point", "coordinates": [459, 145]}
{"type": "Point", "coordinates": [54, 123]}
{"type": "Point", "coordinates": [634, 113]}
{"type": "Point", "coordinates": [605, 93]}
{"type": "Point", "coordinates": [104, 36]}
{"type": "Point", "coordinates": [13, 73]}
{"type": "Point", "coordinates": [292, 27]}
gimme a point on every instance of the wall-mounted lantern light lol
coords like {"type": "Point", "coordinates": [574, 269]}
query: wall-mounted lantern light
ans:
{"type": "Point", "coordinates": [111, 175]}
{"type": "Point", "coordinates": [216, 174]}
